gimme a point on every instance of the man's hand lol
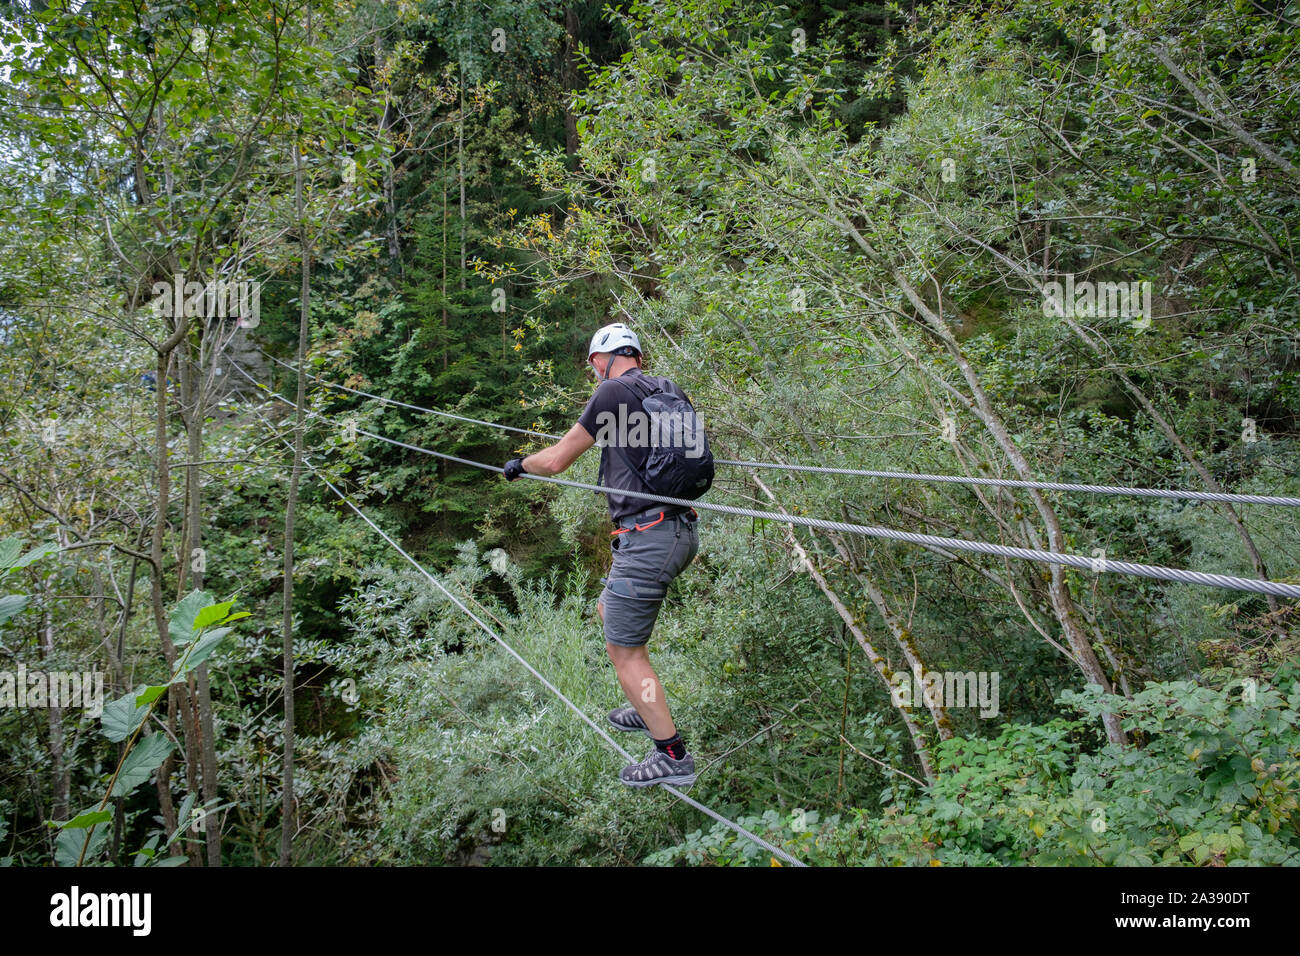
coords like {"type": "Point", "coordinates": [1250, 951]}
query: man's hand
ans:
{"type": "Point", "coordinates": [513, 469]}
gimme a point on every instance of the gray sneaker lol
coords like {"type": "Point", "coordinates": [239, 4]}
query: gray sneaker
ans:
{"type": "Point", "coordinates": [626, 718]}
{"type": "Point", "coordinates": [657, 768]}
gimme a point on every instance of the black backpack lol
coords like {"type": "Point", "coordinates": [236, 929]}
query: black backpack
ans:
{"type": "Point", "coordinates": [669, 469]}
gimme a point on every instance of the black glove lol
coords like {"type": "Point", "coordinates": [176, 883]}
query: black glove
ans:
{"type": "Point", "coordinates": [514, 468]}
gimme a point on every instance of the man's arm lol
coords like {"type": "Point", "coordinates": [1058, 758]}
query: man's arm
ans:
{"type": "Point", "coordinates": [558, 457]}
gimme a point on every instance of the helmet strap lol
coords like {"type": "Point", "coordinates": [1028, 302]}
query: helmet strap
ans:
{"type": "Point", "coordinates": [610, 364]}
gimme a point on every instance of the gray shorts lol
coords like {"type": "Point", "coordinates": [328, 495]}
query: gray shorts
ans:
{"type": "Point", "coordinates": [645, 563]}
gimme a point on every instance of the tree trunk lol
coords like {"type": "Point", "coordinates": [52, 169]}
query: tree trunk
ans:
{"type": "Point", "coordinates": [60, 774]}
{"type": "Point", "coordinates": [195, 405]}
{"type": "Point", "coordinates": [570, 81]}
{"type": "Point", "coordinates": [1223, 118]}
{"type": "Point", "coordinates": [289, 812]}
{"type": "Point", "coordinates": [854, 625]}
{"type": "Point", "coordinates": [1058, 590]}
{"type": "Point", "coordinates": [390, 168]}
{"type": "Point", "coordinates": [444, 265]}
{"type": "Point", "coordinates": [979, 405]}
{"type": "Point", "coordinates": [177, 698]}
{"type": "Point", "coordinates": [1165, 426]}
{"type": "Point", "coordinates": [460, 173]}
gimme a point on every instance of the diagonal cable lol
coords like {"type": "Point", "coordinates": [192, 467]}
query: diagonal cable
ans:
{"type": "Point", "coordinates": [730, 824]}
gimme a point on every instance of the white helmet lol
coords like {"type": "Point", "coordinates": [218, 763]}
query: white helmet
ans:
{"type": "Point", "coordinates": [613, 337]}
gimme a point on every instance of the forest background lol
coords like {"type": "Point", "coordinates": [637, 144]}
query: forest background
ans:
{"type": "Point", "coordinates": [835, 225]}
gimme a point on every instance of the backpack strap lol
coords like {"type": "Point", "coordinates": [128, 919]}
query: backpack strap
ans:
{"type": "Point", "coordinates": [654, 388]}
{"type": "Point", "coordinates": [600, 473]}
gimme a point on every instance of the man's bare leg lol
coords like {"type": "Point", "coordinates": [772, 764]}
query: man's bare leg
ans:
{"type": "Point", "coordinates": [641, 685]}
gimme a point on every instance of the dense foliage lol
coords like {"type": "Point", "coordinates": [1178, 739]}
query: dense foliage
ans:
{"type": "Point", "coordinates": [836, 226]}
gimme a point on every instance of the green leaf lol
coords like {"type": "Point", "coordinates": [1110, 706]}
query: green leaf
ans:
{"type": "Point", "coordinates": [68, 844]}
{"type": "Point", "coordinates": [34, 555]}
{"type": "Point", "coordinates": [181, 624]}
{"type": "Point", "coordinates": [212, 614]}
{"type": "Point", "coordinates": [184, 817]}
{"type": "Point", "coordinates": [151, 693]}
{"type": "Point", "coordinates": [122, 716]}
{"type": "Point", "coordinates": [11, 604]}
{"type": "Point", "coordinates": [145, 757]}
{"type": "Point", "coordinates": [201, 652]}
{"type": "Point", "coordinates": [86, 818]}
{"type": "Point", "coordinates": [10, 548]}
{"type": "Point", "coordinates": [147, 852]}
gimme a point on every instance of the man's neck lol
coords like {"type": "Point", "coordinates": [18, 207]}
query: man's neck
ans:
{"type": "Point", "coordinates": [616, 372]}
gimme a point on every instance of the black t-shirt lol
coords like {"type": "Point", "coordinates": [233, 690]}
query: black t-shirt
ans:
{"type": "Point", "coordinates": [614, 416]}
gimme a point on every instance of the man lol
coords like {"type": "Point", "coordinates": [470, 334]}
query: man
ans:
{"type": "Point", "coordinates": [652, 544]}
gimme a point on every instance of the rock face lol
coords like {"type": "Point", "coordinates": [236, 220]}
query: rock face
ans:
{"type": "Point", "coordinates": [228, 383]}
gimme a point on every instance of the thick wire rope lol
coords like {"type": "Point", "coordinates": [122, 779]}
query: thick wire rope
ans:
{"type": "Point", "coordinates": [1098, 565]}
{"type": "Point", "coordinates": [1177, 494]}
{"type": "Point", "coordinates": [730, 824]}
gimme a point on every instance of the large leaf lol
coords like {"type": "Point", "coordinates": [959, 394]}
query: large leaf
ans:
{"type": "Point", "coordinates": [68, 844]}
{"type": "Point", "coordinates": [11, 604]}
{"type": "Point", "coordinates": [122, 716]}
{"type": "Point", "coordinates": [145, 757]}
{"type": "Point", "coordinates": [183, 816]}
{"type": "Point", "coordinates": [87, 818]}
{"type": "Point", "coordinates": [202, 651]}
{"type": "Point", "coordinates": [148, 851]}
{"type": "Point", "coordinates": [181, 624]}
{"type": "Point", "coordinates": [212, 614]}
{"type": "Point", "coordinates": [151, 693]}
{"type": "Point", "coordinates": [11, 548]}
{"type": "Point", "coordinates": [35, 554]}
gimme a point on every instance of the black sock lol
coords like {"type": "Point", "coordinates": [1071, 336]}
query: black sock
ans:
{"type": "Point", "coordinates": [672, 746]}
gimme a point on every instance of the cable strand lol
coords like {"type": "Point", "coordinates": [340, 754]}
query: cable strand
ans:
{"type": "Point", "coordinates": [1124, 490]}
{"type": "Point", "coordinates": [1096, 565]}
